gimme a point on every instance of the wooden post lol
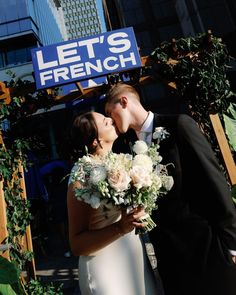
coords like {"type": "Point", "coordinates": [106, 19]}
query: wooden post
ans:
{"type": "Point", "coordinates": [5, 93]}
{"type": "Point", "coordinates": [27, 239]}
{"type": "Point", "coordinates": [224, 147]}
{"type": "Point", "coordinates": [28, 245]}
{"type": "Point", "coordinates": [3, 223]}
{"type": "Point", "coordinates": [3, 217]}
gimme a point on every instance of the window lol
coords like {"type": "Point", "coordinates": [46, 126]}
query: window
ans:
{"type": "Point", "coordinates": [17, 56]}
{"type": "Point", "coordinates": [1, 59]}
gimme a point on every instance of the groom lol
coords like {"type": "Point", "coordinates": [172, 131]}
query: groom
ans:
{"type": "Point", "coordinates": [195, 237]}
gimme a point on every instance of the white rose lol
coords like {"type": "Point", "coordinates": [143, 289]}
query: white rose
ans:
{"type": "Point", "coordinates": [157, 181]}
{"type": "Point", "coordinates": [119, 180]}
{"type": "Point", "coordinates": [98, 174]}
{"type": "Point", "coordinates": [144, 161]}
{"type": "Point", "coordinates": [168, 182]}
{"type": "Point", "coordinates": [140, 147]}
{"type": "Point", "coordinates": [140, 177]}
{"type": "Point", "coordinates": [86, 159]}
{"type": "Point", "coordinates": [128, 157]}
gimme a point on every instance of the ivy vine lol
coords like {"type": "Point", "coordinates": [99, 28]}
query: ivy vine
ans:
{"type": "Point", "coordinates": [13, 152]}
{"type": "Point", "coordinates": [198, 66]}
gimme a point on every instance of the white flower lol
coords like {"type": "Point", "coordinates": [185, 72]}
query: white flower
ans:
{"type": "Point", "coordinates": [140, 177]}
{"type": "Point", "coordinates": [140, 147]}
{"type": "Point", "coordinates": [98, 174]}
{"type": "Point", "coordinates": [159, 169]}
{"type": "Point", "coordinates": [128, 157]}
{"type": "Point", "coordinates": [143, 161]}
{"type": "Point", "coordinates": [168, 182]}
{"type": "Point", "coordinates": [160, 133]}
{"type": "Point", "coordinates": [86, 159]}
{"type": "Point", "coordinates": [95, 200]}
{"type": "Point", "coordinates": [157, 181]}
{"type": "Point", "coordinates": [119, 180]}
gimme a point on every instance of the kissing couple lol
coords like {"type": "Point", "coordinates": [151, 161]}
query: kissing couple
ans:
{"type": "Point", "coordinates": [195, 236]}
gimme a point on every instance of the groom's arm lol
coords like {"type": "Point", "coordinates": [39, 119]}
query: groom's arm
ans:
{"type": "Point", "coordinates": [222, 210]}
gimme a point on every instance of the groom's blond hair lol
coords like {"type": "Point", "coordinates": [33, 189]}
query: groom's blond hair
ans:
{"type": "Point", "coordinates": [116, 91]}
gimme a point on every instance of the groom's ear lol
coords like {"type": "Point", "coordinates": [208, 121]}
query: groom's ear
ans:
{"type": "Point", "coordinates": [124, 102]}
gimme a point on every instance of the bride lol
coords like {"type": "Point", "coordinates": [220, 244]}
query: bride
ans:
{"type": "Point", "coordinates": [112, 258]}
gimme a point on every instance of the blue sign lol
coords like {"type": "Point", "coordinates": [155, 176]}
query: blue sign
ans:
{"type": "Point", "coordinates": [85, 58]}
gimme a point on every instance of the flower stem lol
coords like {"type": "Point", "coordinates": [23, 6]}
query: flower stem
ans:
{"type": "Point", "coordinates": [149, 224]}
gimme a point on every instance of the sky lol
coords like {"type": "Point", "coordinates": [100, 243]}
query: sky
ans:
{"type": "Point", "coordinates": [100, 11]}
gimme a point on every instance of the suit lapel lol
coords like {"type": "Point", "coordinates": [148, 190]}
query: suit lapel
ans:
{"type": "Point", "coordinates": [169, 150]}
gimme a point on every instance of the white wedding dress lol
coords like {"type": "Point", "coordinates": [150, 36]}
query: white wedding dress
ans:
{"type": "Point", "coordinates": [121, 268]}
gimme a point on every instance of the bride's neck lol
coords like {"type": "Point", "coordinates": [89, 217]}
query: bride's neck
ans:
{"type": "Point", "coordinates": [103, 150]}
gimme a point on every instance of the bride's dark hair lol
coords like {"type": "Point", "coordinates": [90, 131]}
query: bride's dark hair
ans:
{"type": "Point", "coordinates": [83, 132]}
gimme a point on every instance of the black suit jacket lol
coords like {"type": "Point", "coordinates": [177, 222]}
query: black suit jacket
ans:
{"type": "Point", "coordinates": [196, 220]}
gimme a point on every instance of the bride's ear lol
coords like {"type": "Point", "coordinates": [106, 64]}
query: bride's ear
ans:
{"type": "Point", "coordinates": [124, 102]}
{"type": "Point", "coordinates": [95, 143]}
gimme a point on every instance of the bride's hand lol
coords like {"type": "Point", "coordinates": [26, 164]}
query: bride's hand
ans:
{"type": "Point", "coordinates": [130, 220]}
{"type": "Point", "coordinates": [140, 212]}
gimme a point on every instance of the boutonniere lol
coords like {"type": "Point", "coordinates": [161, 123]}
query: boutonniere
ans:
{"type": "Point", "coordinates": [160, 133]}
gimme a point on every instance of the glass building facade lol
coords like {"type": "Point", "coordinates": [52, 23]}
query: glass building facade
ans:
{"type": "Point", "coordinates": [81, 18]}
{"type": "Point", "coordinates": [26, 24]}
{"type": "Point", "coordinates": [197, 16]}
{"type": "Point", "coordinates": [156, 21]}
{"type": "Point", "coordinates": [153, 20]}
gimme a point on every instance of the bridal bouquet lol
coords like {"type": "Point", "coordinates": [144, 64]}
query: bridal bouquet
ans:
{"type": "Point", "coordinates": [124, 180]}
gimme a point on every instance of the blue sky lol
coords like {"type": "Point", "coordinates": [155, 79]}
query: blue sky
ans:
{"type": "Point", "coordinates": [100, 11]}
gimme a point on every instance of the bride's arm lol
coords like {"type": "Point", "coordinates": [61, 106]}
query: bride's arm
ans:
{"type": "Point", "coordinates": [84, 241]}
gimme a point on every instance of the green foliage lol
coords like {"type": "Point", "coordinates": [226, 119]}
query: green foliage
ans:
{"type": "Point", "coordinates": [199, 71]}
{"type": "Point", "coordinates": [18, 215]}
{"type": "Point", "coordinates": [9, 278]}
{"type": "Point", "coordinates": [9, 273]}
{"type": "Point", "coordinates": [10, 283]}
{"type": "Point", "coordinates": [35, 287]}
{"type": "Point", "coordinates": [12, 152]}
{"type": "Point", "coordinates": [198, 66]}
{"type": "Point", "coordinates": [32, 99]}
{"type": "Point", "coordinates": [6, 289]}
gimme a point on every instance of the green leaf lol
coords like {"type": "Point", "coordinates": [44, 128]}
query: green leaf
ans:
{"type": "Point", "coordinates": [18, 288]}
{"type": "Point", "coordinates": [231, 111]}
{"type": "Point", "coordinates": [9, 274]}
{"type": "Point", "coordinates": [230, 130]}
{"type": "Point", "coordinates": [6, 290]}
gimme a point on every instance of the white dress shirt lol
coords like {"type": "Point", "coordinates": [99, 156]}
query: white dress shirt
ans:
{"type": "Point", "coordinates": [145, 133]}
